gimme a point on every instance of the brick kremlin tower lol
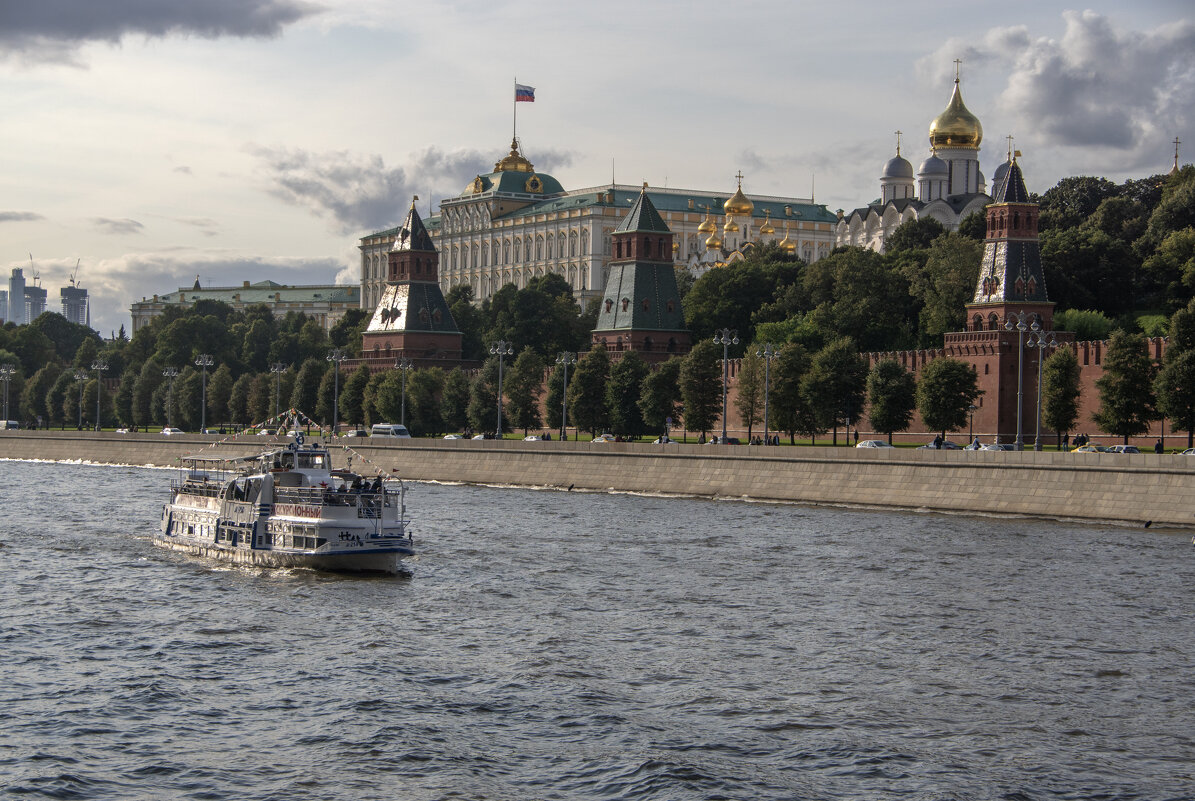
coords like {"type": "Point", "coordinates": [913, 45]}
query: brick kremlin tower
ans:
{"type": "Point", "coordinates": [1011, 288]}
{"type": "Point", "coordinates": [641, 308]}
{"type": "Point", "coordinates": [412, 318]}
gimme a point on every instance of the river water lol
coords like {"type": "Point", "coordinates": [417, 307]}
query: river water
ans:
{"type": "Point", "coordinates": [566, 645]}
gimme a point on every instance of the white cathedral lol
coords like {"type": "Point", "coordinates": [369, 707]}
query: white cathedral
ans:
{"type": "Point", "coordinates": [948, 186]}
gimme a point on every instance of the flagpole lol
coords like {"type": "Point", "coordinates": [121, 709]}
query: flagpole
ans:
{"type": "Point", "coordinates": [514, 100]}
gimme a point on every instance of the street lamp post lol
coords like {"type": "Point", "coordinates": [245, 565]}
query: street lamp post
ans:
{"type": "Point", "coordinates": [725, 338]}
{"type": "Point", "coordinates": [564, 360]}
{"type": "Point", "coordinates": [99, 365]}
{"type": "Point", "coordinates": [277, 368]}
{"type": "Point", "coordinates": [971, 423]}
{"type": "Point", "coordinates": [80, 376]}
{"type": "Point", "coordinates": [7, 371]}
{"type": "Point", "coordinates": [501, 349]}
{"type": "Point", "coordinates": [170, 373]}
{"type": "Point", "coordinates": [768, 353]}
{"type": "Point", "coordinates": [1040, 340]}
{"type": "Point", "coordinates": [404, 364]}
{"type": "Point", "coordinates": [203, 361]}
{"type": "Point", "coordinates": [1020, 326]}
{"type": "Point", "coordinates": [336, 357]}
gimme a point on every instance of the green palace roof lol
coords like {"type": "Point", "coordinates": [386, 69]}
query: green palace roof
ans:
{"type": "Point", "coordinates": [266, 292]}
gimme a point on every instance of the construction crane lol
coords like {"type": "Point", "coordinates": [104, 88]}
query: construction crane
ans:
{"type": "Point", "coordinates": [76, 272]}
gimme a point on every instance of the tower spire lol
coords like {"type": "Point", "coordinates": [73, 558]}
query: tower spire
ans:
{"type": "Point", "coordinates": [1174, 169]}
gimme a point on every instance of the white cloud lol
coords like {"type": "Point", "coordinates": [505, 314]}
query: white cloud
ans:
{"type": "Point", "coordinates": [110, 226]}
{"type": "Point", "coordinates": [1097, 86]}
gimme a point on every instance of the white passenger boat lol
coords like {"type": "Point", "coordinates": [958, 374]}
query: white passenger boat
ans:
{"type": "Point", "coordinates": [286, 507]}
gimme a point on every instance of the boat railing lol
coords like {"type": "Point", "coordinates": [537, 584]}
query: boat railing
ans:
{"type": "Point", "coordinates": [209, 489]}
{"type": "Point", "coordinates": [368, 504]}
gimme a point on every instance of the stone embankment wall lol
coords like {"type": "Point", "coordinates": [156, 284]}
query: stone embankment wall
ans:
{"type": "Point", "coordinates": [1125, 488]}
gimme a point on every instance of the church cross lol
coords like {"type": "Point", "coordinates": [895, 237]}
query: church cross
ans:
{"type": "Point", "coordinates": [739, 175]}
{"type": "Point", "coordinates": [898, 133]}
{"type": "Point", "coordinates": [1009, 138]}
{"type": "Point", "coordinates": [957, 62]}
{"type": "Point", "coordinates": [1176, 144]}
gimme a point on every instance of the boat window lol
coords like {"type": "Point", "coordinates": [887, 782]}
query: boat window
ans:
{"type": "Point", "coordinates": [311, 460]}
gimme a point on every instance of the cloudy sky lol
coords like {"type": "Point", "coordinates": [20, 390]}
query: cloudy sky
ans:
{"type": "Point", "coordinates": [151, 141]}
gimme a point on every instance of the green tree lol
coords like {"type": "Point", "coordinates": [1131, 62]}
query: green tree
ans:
{"type": "Point", "coordinates": [184, 411]}
{"type": "Point", "coordinates": [944, 284]}
{"type": "Point", "coordinates": [346, 333]}
{"type": "Point", "coordinates": [148, 380]}
{"type": "Point", "coordinates": [352, 395]}
{"type": "Point", "coordinates": [750, 397]}
{"type": "Point", "coordinates": [587, 391]}
{"type": "Point", "coordinates": [123, 402]}
{"type": "Point", "coordinates": [328, 397]}
{"type": "Point", "coordinates": [701, 385]}
{"type": "Point", "coordinates": [261, 400]}
{"type": "Point", "coordinates": [238, 401]}
{"type": "Point", "coordinates": [918, 233]}
{"type": "Point", "coordinates": [523, 386]}
{"type": "Point", "coordinates": [554, 402]}
{"type": "Point", "coordinates": [469, 320]}
{"type": "Point", "coordinates": [660, 397]}
{"type": "Point", "coordinates": [1087, 325]}
{"type": "Point", "coordinates": [483, 397]}
{"type": "Point", "coordinates": [892, 396]}
{"type": "Point", "coordinates": [730, 298]}
{"type": "Point", "coordinates": [1126, 387]}
{"type": "Point", "coordinates": [974, 226]}
{"type": "Point", "coordinates": [790, 411]}
{"type": "Point", "coordinates": [454, 402]}
{"type": "Point", "coordinates": [1175, 383]}
{"type": "Point", "coordinates": [1060, 391]}
{"type": "Point", "coordinates": [835, 385]}
{"type": "Point", "coordinates": [33, 396]}
{"type": "Point", "coordinates": [305, 394]}
{"type": "Point", "coordinates": [1087, 268]}
{"type": "Point", "coordinates": [369, 399]}
{"type": "Point", "coordinates": [947, 390]}
{"type": "Point", "coordinates": [424, 389]}
{"type": "Point", "coordinates": [622, 395]}
{"type": "Point", "coordinates": [219, 388]}
{"type": "Point", "coordinates": [1073, 200]}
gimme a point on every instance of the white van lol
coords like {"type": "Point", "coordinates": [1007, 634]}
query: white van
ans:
{"type": "Point", "coordinates": [9, 425]}
{"type": "Point", "coordinates": [390, 430]}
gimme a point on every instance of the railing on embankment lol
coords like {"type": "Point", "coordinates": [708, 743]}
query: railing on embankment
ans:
{"type": "Point", "coordinates": [1124, 488]}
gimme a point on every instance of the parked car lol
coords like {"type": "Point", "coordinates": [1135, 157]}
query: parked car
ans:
{"type": "Point", "coordinates": [723, 441]}
{"type": "Point", "coordinates": [122, 431]}
{"type": "Point", "coordinates": [1090, 449]}
{"type": "Point", "coordinates": [1188, 452]}
{"type": "Point", "coordinates": [604, 438]}
{"type": "Point", "coordinates": [10, 425]}
{"type": "Point", "coordinates": [1123, 449]}
{"type": "Point", "coordinates": [532, 438]}
{"type": "Point", "coordinates": [391, 430]}
{"type": "Point", "coordinates": [169, 431]}
{"type": "Point", "coordinates": [453, 436]}
{"type": "Point", "coordinates": [662, 440]}
{"type": "Point", "coordinates": [356, 432]}
{"type": "Point", "coordinates": [947, 445]}
{"type": "Point", "coordinates": [873, 443]}
{"type": "Point", "coordinates": [998, 446]}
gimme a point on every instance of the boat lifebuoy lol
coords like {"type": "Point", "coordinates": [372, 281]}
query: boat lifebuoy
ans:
{"type": "Point", "coordinates": [299, 438]}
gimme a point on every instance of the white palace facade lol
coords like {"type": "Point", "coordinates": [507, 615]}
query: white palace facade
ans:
{"type": "Point", "coordinates": [514, 224]}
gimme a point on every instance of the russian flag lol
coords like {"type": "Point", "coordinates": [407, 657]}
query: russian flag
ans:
{"type": "Point", "coordinates": [524, 94]}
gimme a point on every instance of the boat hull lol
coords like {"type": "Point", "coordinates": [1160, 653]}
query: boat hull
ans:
{"type": "Point", "coordinates": [387, 561]}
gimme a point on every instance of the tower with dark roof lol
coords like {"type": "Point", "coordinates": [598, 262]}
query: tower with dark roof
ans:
{"type": "Point", "coordinates": [641, 307]}
{"type": "Point", "coordinates": [412, 318]}
{"type": "Point", "coordinates": [1010, 274]}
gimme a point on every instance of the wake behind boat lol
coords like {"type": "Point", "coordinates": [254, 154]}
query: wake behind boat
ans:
{"type": "Point", "coordinates": [286, 507]}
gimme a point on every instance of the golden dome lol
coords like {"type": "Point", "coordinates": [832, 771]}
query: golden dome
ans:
{"type": "Point", "coordinates": [714, 242]}
{"type": "Point", "coordinates": [766, 229]}
{"type": "Point", "coordinates": [739, 203]}
{"type": "Point", "coordinates": [956, 126]}
{"type": "Point", "coordinates": [786, 244]}
{"type": "Point", "coordinates": [707, 225]}
{"type": "Point", "coordinates": [730, 227]}
{"type": "Point", "coordinates": [514, 161]}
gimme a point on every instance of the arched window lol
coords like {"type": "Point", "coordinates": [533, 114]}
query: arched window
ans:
{"type": "Point", "coordinates": [584, 242]}
{"type": "Point", "coordinates": [977, 323]}
{"type": "Point", "coordinates": [539, 248]}
{"type": "Point", "coordinates": [506, 252]}
{"type": "Point", "coordinates": [485, 254]}
{"type": "Point", "coordinates": [572, 244]}
{"type": "Point", "coordinates": [993, 322]}
{"type": "Point", "coordinates": [647, 247]}
{"type": "Point", "coordinates": [549, 244]}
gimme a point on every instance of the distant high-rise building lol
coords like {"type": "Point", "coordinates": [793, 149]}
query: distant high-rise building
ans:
{"type": "Point", "coordinates": [35, 302]}
{"type": "Point", "coordinates": [74, 305]}
{"type": "Point", "coordinates": [3, 306]}
{"type": "Point", "coordinates": [16, 297]}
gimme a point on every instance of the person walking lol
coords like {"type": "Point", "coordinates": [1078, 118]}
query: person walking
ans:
{"type": "Point", "coordinates": [1158, 447]}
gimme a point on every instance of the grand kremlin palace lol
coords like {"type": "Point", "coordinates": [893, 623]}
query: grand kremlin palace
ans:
{"type": "Point", "coordinates": [513, 224]}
